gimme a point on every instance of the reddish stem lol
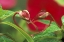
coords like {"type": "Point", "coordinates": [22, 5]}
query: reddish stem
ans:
{"type": "Point", "coordinates": [15, 20]}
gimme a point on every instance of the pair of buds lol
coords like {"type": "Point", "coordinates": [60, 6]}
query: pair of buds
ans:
{"type": "Point", "coordinates": [26, 15]}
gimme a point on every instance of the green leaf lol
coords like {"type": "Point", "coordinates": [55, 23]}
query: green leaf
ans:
{"type": "Point", "coordinates": [49, 33]}
{"type": "Point", "coordinates": [0, 7]}
{"type": "Point", "coordinates": [62, 20]}
{"type": "Point", "coordinates": [5, 14]}
{"type": "Point", "coordinates": [29, 39]}
{"type": "Point", "coordinates": [24, 25]}
{"type": "Point", "coordinates": [60, 2]}
{"type": "Point", "coordinates": [5, 39]}
{"type": "Point", "coordinates": [45, 21]}
{"type": "Point", "coordinates": [52, 28]}
{"type": "Point", "coordinates": [48, 40]}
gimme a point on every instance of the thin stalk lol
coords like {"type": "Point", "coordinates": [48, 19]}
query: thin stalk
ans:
{"type": "Point", "coordinates": [54, 20]}
{"type": "Point", "coordinates": [15, 19]}
{"type": "Point", "coordinates": [27, 36]}
{"type": "Point", "coordinates": [34, 25]}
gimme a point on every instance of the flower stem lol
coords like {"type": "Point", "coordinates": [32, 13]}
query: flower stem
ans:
{"type": "Point", "coordinates": [29, 39]}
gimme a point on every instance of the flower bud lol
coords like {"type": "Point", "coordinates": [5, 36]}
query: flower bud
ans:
{"type": "Point", "coordinates": [24, 14]}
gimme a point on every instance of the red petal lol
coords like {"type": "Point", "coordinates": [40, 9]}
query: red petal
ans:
{"type": "Point", "coordinates": [41, 26]}
{"type": "Point", "coordinates": [49, 18]}
{"type": "Point", "coordinates": [56, 10]}
{"type": "Point", "coordinates": [34, 7]}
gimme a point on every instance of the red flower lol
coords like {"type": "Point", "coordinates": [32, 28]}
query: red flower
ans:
{"type": "Point", "coordinates": [34, 25]}
{"type": "Point", "coordinates": [56, 10]}
{"type": "Point", "coordinates": [8, 4]}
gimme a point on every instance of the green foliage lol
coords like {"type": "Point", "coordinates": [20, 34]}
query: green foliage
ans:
{"type": "Point", "coordinates": [29, 39]}
{"type": "Point", "coordinates": [48, 40]}
{"type": "Point", "coordinates": [5, 39]}
{"type": "Point", "coordinates": [51, 34]}
{"type": "Point", "coordinates": [5, 13]}
{"type": "Point", "coordinates": [62, 19]}
{"type": "Point", "coordinates": [60, 2]}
